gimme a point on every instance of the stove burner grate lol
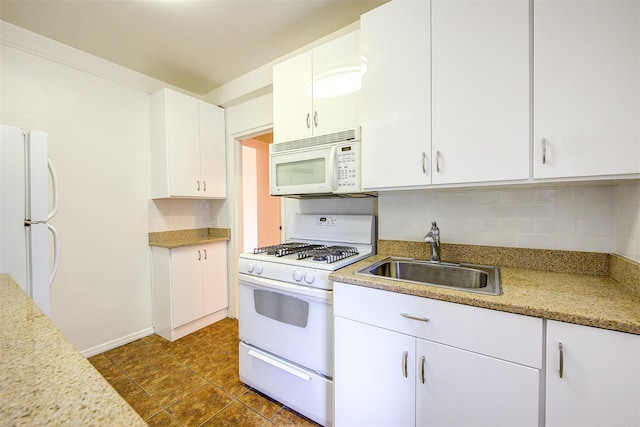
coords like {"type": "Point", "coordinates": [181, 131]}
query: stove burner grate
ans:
{"type": "Point", "coordinates": [283, 249]}
{"type": "Point", "coordinates": [328, 254]}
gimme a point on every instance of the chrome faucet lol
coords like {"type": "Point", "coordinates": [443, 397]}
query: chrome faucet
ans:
{"type": "Point", "coordinates": [433, 238]}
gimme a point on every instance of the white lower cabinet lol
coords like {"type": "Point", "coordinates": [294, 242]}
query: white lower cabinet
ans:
{"type": "Point", "coordinates": [593, 376]}
{"type": "Point", "coordinates": [402, 360]}
{"type": "Point", "coordinates": [189, 288]}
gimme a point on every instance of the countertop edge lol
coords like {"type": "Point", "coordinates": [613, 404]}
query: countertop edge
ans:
{"type": "Point", "coordinates": [43, 378]}
{"type": "Point", "coordinates": [188, 237]}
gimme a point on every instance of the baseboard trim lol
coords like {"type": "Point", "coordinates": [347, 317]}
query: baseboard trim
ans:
{"type": "Point", "coordinates": [116, 343]}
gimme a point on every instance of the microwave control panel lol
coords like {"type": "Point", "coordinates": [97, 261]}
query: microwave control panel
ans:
{"type": "Point", "coordinates": [348, 168]}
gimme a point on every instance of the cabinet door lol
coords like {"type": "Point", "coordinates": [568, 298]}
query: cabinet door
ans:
{"type": "Point", "coordinates": [468, 389]}
{"type": "Point", "coordinates": [371, 388]}
{"type": "Point", "coordinates": [336, 85]}
{"type": "Point", "coordinates": [480, 90]}
{"type": "Point", "coordinates": [292, 98]}
{"type": "Point", "coordinates": [586, 88]}
{"type": "Point", "coordinates": [396, 96]}
{"type": "Point", "coordinates": [186, 285]}
{"type": "Point", "coordinates": [213, 168]}
{"type": "Point", "coordinates": [600, 383]}
{"type": "Point", "coordinates": [214, 277]}
{"type": "Point", "coordinates": [183, 144]}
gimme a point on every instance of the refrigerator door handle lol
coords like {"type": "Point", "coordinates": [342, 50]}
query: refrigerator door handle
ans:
{"type": "Point", "coordinates": [54, 185]}
{"type": "Point", "coordinates": [56, 253]}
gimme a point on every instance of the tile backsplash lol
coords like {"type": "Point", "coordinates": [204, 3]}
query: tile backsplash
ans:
{"type": "Point", "coordinates": [183, 214]}
{"type": "Point", "coordinates": [593, 218]}
{"type": "Point", "coordinates": [602, 218]}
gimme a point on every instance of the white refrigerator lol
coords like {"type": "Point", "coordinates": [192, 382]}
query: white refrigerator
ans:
{"type": "Point", "coordinates": [25, 231]}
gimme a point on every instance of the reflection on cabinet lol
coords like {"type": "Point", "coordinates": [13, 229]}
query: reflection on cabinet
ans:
{"type": "Point", "coordinates": [593, 378]}
{"type": "Point", "coordinates": [187, 147]}
{"type": "Point", "coordinates": [318, 92]}
{"type": "Point", "coordinates": [586, 88]}
{"type": "Point", "coordinates": [480, 90]}
{"type": "Point", "coordinates": [396, 96]}
{"type": "Point", "coordinates": [189, 288]}
{"type": "Point", "coordinates": [404, 361]}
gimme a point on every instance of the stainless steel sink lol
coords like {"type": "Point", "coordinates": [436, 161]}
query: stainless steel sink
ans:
{"type": "Point", "coordinates": [468, 277]}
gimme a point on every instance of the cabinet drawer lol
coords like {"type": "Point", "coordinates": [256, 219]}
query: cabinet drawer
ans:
{"type": "Point", "coordinates": [507, 336]}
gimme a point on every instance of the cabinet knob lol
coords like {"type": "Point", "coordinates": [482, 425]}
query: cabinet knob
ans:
{"type": "Point", "coordinates": [315, 118]}
{"type": "Point", "coordinates": [308, 121]}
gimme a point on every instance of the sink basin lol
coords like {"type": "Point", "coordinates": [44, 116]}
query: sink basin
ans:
{"type": "Point", "coordinates": [468, 277]}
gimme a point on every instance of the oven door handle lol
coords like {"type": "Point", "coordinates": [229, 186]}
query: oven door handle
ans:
{"type": "Point", "coordinates": [277, 364]}
{"type": "Point", "coordinates": [321, 295]}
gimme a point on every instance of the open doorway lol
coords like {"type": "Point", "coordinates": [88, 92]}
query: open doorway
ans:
{"type": "Point", "coordinates": [261, 223]}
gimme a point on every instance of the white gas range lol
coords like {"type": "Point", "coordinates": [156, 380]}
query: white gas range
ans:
{"type": "Point", "coordinates": [317, 245]}
{"type": "Point", "coordinates": [285, 309]}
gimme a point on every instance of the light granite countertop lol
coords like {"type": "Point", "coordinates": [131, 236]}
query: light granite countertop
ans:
{"type": "Point", "coordinates": [44, 380]}
{"type": "Point", "coordinates": [596, 300]}
{"type": "Point", "coordinates": [190, 237]}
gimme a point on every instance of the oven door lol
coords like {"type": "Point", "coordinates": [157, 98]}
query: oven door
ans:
{"type": "Point", "coordinates": [302, 172]}
{"type": "Point", "coordinates": [291, 321]}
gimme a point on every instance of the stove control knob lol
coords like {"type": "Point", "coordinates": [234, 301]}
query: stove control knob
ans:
{"type": "Point", "coordinates": [250, 267]}
{"type": "Point", "coordinates": [259, 269]}
{"type": "Point", "coordinates": [309, 277]}
{"type": "Point", "coordinates": [297, 276]}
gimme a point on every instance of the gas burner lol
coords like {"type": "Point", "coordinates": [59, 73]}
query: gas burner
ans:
{"type": "Point", "coordinates": [283, 249]}
{"type": "Point", "coordinates": [328, 254]}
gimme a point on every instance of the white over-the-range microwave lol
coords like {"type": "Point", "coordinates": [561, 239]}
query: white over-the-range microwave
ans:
{"type": "Point", "coordinates": [317, 166]}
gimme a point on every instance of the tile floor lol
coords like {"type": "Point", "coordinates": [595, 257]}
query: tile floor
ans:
{"type": "Point", "coordinates": [192, 381]}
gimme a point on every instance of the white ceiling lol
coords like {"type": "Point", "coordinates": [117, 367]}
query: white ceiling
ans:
{"type": "Point", "coordinates": [197, 45]}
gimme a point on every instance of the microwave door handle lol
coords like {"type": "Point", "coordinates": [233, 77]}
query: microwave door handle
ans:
{"type": "Point", "coordinates": [333, 168]}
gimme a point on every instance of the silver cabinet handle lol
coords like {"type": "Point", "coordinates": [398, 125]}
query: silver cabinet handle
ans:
{"type": "Point", "coordinates": [308, 121]}
{"type": "Point", "coordinates": [205, 253]}
{"type": "Point", "coordinates": [424, 163]}
{"type": "Point", "coordinates": [544, 151]}
{"type": "Point", "coordinates": [315, 118]}
{"type": "Point", "coordinates": [408, 316]}
{"type": "Point", "coordinates": [438, 161]}
{"type": "Point", "coordinates": [198, 185]}
{"type": "Point", "coordinates": [422, 362]}
{"type": "Point", "coordinates": [204, 185]}
{"type": "Point", "coordinates": [561, 351]}
{"type": "Point", "coordinates": [199, 255]}
{"type": "Point", "coordinates": [405, 356]}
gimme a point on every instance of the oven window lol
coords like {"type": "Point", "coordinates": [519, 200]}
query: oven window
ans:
{"type": "Point", "coordinates": [309, 171]}
{"type": "Point", "coordinates": [282, 308]}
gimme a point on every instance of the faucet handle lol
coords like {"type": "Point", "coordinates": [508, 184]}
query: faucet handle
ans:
{"type": "Point", "coordinates": [435, 231]}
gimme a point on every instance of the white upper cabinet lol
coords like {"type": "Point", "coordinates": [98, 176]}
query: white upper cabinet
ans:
{"type": "Point", "coordinates": [318, 92]}
{"type": "Point", "coordinates": [396, 96]}
{"type": "Point", "coordinates": [586, 88]}
{"type": "Point", "coordinates": [187, 147]}
{"type": "Point", "coordinates": [480, 90]}
{"type": "Point", "coordinates": [593, 377]}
